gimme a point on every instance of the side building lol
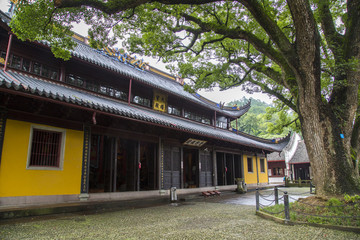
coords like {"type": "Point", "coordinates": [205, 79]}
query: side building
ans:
{"type": "Point", "coordinates": [105, 126]}
{"type": "Point", "coordinates": [292, 162]}
{"type": "Point", "coordinates": [300, 163]}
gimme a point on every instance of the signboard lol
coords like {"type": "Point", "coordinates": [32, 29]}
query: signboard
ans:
{"type": "Point", "coordinates": [122, 56]}
{"type": "Point", "coordinates": [194, 142]}
{"type": "Point", "coordinates": [85, 162]}
{"type": "Point", "coordinates": [159, 101]}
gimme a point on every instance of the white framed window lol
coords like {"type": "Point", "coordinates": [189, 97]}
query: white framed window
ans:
{"type": "Point", "coordinates": [46, 148]}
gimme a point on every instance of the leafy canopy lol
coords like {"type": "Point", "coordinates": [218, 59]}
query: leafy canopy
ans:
{"type": "Point", "coordinates": [265, 120]}
{"type": "Point", "coordinates": [211, 43]}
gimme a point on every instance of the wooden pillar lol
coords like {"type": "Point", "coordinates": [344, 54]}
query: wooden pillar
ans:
{"type": "Point", "coordinates": [160, 165]}
{"type": "Point", "coordinates": [62, 73]}
{"type": "Point", "coordinates": [215, 119]}
{"type": "Point", "coordinates": [3, 117]}
{"type": "Point", "coordinates": [215, 180]}
{"type": "Point", "coordinates": [257, 170]}
{"type": "Point", "coordinates": [8, 51]}
{"type": "Point", "coordinates": [130, 89]}
{"type": "Point", "coordinates": [138, 166]}
{"type": "Point", "coordinates": [199, 168]}
{"type": "Point", "coordinates": [233, 167]}
{"type": "Point", "coordinates": [224, 169]}
{"type": "Point", "coordinates": [182, 167]}
{"type": "Point", "coordinates": [237, 131]}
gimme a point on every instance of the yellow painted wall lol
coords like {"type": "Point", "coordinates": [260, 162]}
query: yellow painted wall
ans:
{"type": "Point", "coordinates": [263, 176]}
{"type": "Point", "coordinates": [16, 180]}
{"type": "Point", "coordinates": [251, 177]}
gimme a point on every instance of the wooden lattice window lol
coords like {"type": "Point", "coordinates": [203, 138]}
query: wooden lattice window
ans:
{"type": "Point", "coordinates": [46, 148]}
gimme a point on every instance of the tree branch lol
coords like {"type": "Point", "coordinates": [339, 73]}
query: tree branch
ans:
{"type": "Point", "coordinates": [267, 71]}
{"type": "Point", "coordinates": [116, 6]}
{"type": "Point", "coordinates": [334, 39]}
{"type": "Point", "coordinates": [237, 33]}
{"type": "Point", "coordinates": [272, 29]}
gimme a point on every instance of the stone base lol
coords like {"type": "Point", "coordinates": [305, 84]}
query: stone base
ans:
{"type": "Point", "coordinates": [84, 196]}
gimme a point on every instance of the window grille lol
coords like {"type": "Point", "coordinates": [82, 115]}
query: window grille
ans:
{"type": "Point", "coordinates": [45, 148]}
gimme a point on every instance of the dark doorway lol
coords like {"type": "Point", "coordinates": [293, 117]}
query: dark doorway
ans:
{"type": "Point", "coordinates": [221, 171]}
{"type": "Point", "coordinates": [102, 152]}
{"type": "Point", "coordinates": [206, 172]}
{"type": "Point", "coordinates": [238, 166]}
{"type": "Point", "coordinates": [118, 165]}
{"type": "Point", "coordinates": [302, 171]}
{"type": "Point", "coordinates": [126, 174]}
{"type": "Point", "coordinates": [172, 163]}
{"type": "Point", "coordinates": [191, 168]}
{"type": "Point", "coordinates": [229, 168]}
{"type": "Point", "coordinates": [148, 166]}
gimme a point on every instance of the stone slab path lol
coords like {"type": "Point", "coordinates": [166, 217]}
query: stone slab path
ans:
{"type": "Point", "coordinates": [216, 218]}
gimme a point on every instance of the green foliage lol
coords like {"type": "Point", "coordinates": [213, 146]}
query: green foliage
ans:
{"type": "Point", "coordinates": [351, 199]}
{"type": "Point", "coordinates": [41, 21]}
{"type": "Point", "coordinates": [215, 44]}
{"type": "Point", "coordinates": [265, 120]}
{"type": "Point", "coordinates": [34, 23]}
{"type": "Point", "coordinates": [334, 211]}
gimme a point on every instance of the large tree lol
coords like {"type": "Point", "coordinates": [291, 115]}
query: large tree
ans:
{"type": "Point", "coordinates": [304, 52]}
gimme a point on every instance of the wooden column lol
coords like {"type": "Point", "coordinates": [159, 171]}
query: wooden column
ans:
{"type": "Point", "coordinates": [3, 117]}
{"type": "Point", "coordinates": [215, 180]}
{"type": "Point", "coordinates": [182, 167]}
{"type": "Point", "coordinates": [160, 165]}
{"type": "Point", "coordinates": [129, 94]}
{"type": "Point", "coordinates": [138, 166]}
{"type": "Point", "coordinates": [8, 52]}
{"type": "Point", "coordinates": [257, 169]}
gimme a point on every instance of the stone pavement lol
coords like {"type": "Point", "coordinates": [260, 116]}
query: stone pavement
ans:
{"type": "Point", "coordinates": [210, 218]}
{"type": "Point", "coordinates": [96, 206]}
{"type": "Point", "coordinates": [267, 197]}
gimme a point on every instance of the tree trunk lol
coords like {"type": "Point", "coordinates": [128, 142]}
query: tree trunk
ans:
{"type": "Point", "coordinates": [326, 126]}
{"type": "Point", "coordinates": [329, 153]}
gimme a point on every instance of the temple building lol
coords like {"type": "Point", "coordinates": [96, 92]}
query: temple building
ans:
{"type": "Point", "coordinates": [107, 126]}
{"type": "Point", "coordinates": [292, 162]}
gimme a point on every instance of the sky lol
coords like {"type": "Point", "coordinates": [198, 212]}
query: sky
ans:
{"type": "Point", "coordinates": [215, 94]}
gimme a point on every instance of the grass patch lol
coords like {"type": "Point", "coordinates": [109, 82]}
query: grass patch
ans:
{"type": "Point", "coordinates": [335, 211]}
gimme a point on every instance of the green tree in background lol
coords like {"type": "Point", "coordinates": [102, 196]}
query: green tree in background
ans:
{"type": "Point", "coordinates": [306, 53]}
{"type": "Point", "coordinates": [264, 120]}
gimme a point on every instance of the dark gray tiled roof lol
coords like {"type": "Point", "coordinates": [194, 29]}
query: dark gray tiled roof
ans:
{"type": "Point", "coordinates": [94, 56]}
{"type": "Point", "coordinates": [275, 156]}
{"type": "Point", "coordinates": [64, 93]}
{"type": "Point", "coordinates": [300, 155]}
{"type": "Point", "coordinates": [91, 55]}
{"type": "Point", "coordinates": [281, 156]}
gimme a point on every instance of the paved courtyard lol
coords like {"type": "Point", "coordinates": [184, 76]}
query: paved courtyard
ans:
{"type": "Point", "coordinates": [214, 218]}
{"type": "Point", "coordinates": [267, 196]}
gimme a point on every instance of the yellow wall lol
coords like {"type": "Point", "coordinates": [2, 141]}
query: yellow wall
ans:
{"type": "Point", "coordinates": [263, 176]}
{"type": "Point", "coordinates": [16, 180]}
{"type": "Point", "coordinates": [251, 177]}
